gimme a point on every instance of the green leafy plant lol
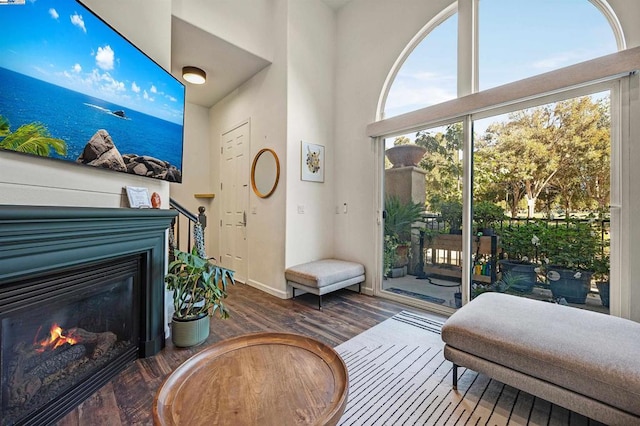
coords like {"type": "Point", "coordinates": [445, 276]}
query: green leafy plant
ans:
{"type": "Point", "coordinates": [33, 138]}
{"type": "Point", "coordinates": [451, 213]}
{"type": "Point", "coordinates": [399, 218]}
{"type": "Point", "coordinates": [390, 255]}
{"type": "Point", "coordinates": [502, 285]}
{"type": "Point", "coordinates": [571, 245]}
{"type": "Point", "coordinates": [198, 285]}
{"type": "Point", "coordinates": [486, 214]}
{"type": "Point", "coordinates": [521, 241]}
{"type": "Point", "coordinates": [601, 268]}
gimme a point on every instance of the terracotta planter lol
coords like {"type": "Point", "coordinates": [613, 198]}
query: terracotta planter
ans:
{"type": "Point", "coordinates": [402, 256]}
{"type": "Point", "coordinates": [405, 155]}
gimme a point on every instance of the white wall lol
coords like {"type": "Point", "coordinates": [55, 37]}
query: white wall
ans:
{"type": "Point", "coordinates": [290, 101]}
{"type": "Point", "coordinates": [35, 181]}
{"type": "Point", "coordinates": [371, 34]}
{"type": "Point", "coordinates": [628, 12]}
{"type": "Point", "coordinates": [263, 101]}
{"type": "Point", "coordinates": [310, 82]}
{"type": "Point", "coordinates": [245, 23]}
{"type": "Point", "coordinates": [196, 170]}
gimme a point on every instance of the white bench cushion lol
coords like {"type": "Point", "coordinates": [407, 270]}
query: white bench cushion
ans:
{"type": "Point", "coordinates": [325, 272]}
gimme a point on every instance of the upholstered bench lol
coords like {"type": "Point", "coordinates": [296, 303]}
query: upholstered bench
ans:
{"type": "Point", "coordinates": [584, 361]}
{"type": "Point", "coordinates": [324, 276]}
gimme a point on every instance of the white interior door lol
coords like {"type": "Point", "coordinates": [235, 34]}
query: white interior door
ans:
{"type": "Point", "coordinates": [235, 199]}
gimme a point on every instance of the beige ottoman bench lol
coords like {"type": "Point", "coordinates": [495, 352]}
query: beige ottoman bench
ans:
{"type": "Point", "coordinates": [584, 361]}
{"type": "Point", "coordinates": [324, 276]}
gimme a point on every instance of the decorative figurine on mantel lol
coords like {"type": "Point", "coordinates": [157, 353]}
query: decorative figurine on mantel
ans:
{"type": "Point", "coordinates": [156, 201]}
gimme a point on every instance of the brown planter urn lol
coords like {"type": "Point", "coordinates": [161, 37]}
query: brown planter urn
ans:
{"type": "Point", "coordinates": [405, 155]}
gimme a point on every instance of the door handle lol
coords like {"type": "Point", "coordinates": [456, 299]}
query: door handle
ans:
{"type": "Point", "coordinates": [244, 219]}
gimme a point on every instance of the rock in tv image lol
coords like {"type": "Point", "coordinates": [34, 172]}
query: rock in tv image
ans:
{"type": "Point", "coordinates": [72, 88]}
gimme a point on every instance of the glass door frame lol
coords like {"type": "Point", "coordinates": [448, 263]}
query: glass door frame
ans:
{"type": "Point", "coordinates": [620, 88]}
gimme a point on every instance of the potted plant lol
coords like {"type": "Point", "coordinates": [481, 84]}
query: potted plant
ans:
{"type": "Point", "coordinates": [601, 268]}
{"type": "Point", "coordinates": [405, 155]}
{"type": "Point", "coordinates": [506, 282]}
{"type": "Point", "coordinates": [198, 287]}
{"type": "Point", "coordinates": [520, 245]}
{"type": "Point", "coordinates": [399, 217]}
{"type": "Point", "coordinates": [569, 250]}
{"type": "Point", "coordinates": [390, 256]}
{"type": "Point", "coordinates": [486, 215]}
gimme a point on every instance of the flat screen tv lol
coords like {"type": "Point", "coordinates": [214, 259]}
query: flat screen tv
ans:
{"type": "Point", "coordinates": [72, 88]}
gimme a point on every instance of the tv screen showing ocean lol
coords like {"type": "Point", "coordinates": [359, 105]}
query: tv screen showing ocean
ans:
{"type": "Point", "coordinates": [75, 117]}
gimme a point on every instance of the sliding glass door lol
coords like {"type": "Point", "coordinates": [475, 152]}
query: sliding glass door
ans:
{"type": "Point", "coordinates": [537, 198]}
{"type": "Point", "coordinates": [423, 182]}
{"type": "Point", "coordinates": [541, 192]}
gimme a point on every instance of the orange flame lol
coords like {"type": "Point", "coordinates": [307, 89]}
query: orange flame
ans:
{"type": "Point", "coordinates": [56, 339]}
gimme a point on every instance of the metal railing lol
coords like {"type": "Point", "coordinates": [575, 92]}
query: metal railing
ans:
{"type": "Point", "coordinates": [185, 220]}
{"type": "Point", "coordinates": [434, 222]}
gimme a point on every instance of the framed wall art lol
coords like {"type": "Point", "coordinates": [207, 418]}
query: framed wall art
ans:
{"type": "Point", "coordinates": [312, 162]}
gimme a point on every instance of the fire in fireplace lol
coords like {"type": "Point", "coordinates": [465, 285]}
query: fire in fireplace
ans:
{"type": "Point", "coordinates": [86, 320]}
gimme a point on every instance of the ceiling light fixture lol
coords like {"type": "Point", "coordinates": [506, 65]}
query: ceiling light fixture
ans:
{"type": "Point", "coordinates": [194, 75]}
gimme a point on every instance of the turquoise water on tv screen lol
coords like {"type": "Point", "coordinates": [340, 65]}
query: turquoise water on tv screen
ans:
{"type": "Point", "coordinates": [75, 118]}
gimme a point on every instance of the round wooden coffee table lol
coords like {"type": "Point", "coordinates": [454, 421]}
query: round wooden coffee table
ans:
{"type": "Point", "coordinates": [256, 379]}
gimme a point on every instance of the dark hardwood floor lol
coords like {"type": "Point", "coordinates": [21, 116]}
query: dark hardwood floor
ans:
{"type": "Point", "coordinates": [128, 398]}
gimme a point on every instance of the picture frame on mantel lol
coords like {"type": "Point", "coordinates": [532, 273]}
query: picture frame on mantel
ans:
{"type": "Point", "coordinates": [312, 162]}
{"type": "Point", "coordinates": [138, 197]}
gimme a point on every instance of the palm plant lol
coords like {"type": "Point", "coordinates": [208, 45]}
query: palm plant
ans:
{"type": "Point", "coordinates": [4, 126]}
{"type": "Point", "coordinates": [399, 218]}
{"type": "Point", "coordinates": [33, 138]}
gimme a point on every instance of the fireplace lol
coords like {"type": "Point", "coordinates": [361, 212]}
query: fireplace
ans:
{"type": "Point", "coordinates": [81, 296]}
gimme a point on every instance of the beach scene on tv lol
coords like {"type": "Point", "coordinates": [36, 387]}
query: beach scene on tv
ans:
{"type": "Point", "coordinates": [72, 88]}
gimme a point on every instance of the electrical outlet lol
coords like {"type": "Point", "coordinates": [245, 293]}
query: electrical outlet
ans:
{"type": "Point", "coordinates": [254, 210]}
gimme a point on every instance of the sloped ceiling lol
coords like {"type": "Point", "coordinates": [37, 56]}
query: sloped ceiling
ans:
{"type": "Point", "coordinates": [227, 66]}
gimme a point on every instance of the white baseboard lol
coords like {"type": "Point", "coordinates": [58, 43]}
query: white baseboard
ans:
{"type": "Point", "coordinates": [272, 291]}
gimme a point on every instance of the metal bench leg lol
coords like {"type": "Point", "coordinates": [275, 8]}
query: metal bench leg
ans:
{"type": "Point", "coordinates": [319, 302]}
{"type": "Point", "coordinates": [359, 288]}
{"type": "Point", "coordinates": [294, 292]}
{"type": "Point", "coordinates": [455, 376]}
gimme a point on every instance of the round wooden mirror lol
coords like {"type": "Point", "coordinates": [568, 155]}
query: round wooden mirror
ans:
{"type": "Point", "coordinates": [265, 172]}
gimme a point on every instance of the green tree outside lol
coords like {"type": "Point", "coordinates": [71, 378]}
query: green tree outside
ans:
{"type": "Point", "coordinates": [556, 154]}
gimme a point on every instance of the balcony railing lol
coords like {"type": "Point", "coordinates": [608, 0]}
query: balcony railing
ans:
{"type": "Point", "coordinates": [448, 253]}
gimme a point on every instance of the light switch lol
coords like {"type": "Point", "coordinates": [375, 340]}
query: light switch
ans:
{"type": "Point", "coordinates": [300, 209]}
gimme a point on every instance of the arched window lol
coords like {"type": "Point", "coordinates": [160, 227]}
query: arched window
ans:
{"type": "Point", "coordinates": [561, 133]}
{"type": "Point", "coordinates": [428, 75]}
{"type": "Point", "coordinates": [519, 39]}
{"type": "Point", "coordinates": [515, 40]}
